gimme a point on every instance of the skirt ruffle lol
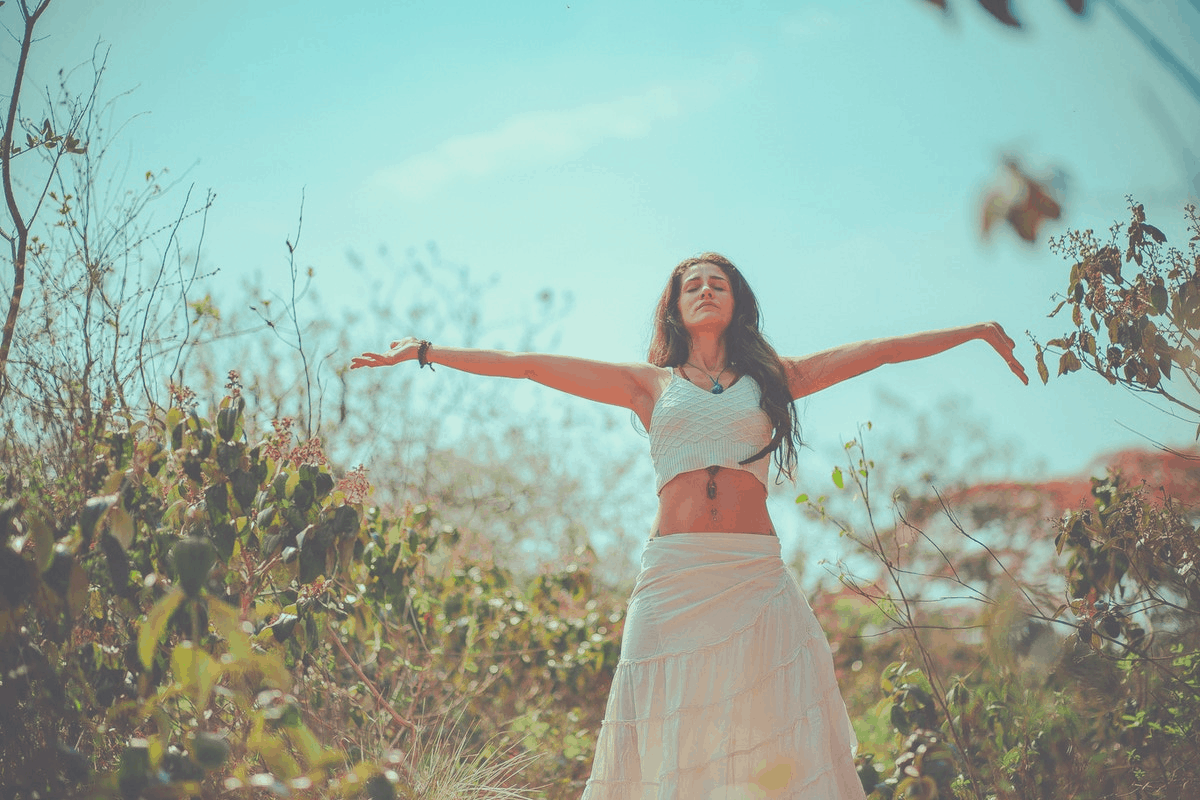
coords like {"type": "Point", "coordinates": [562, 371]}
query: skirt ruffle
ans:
{"type": "Point", "coordinates": [725, 689]}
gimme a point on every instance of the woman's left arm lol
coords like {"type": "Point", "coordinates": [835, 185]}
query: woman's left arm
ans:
{"type": "Point", "coordinates": [812, 373]}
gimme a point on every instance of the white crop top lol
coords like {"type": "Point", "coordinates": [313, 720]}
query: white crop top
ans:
{"type": "Point", "coordinates": [693, 429]}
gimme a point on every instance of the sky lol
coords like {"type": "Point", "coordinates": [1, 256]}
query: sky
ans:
{"type": "Point", "coordinates": [837, 152]}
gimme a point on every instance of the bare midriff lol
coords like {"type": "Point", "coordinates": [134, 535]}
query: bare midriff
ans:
{"type": "Point", "coordinates": [713, 500]}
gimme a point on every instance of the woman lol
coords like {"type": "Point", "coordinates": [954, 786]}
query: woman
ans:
{"type": "Point", "coordinates": [725, 688]}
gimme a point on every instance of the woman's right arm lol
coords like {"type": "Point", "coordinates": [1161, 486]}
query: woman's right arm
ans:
{"type": "Point", "coordinates": [626, 385]}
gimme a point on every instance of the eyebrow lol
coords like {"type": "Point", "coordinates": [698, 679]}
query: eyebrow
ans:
{"type": "Point", "coordinates": [714, 277]}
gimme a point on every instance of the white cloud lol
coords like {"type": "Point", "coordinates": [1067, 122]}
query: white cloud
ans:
{"type": "Point", "coordinates": [531, 139]}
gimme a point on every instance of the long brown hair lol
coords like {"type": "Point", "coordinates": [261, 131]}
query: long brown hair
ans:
{"type": "Point", "coordinates": [746, 350]}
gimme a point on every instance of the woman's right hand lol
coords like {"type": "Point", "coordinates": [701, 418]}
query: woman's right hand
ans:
{"type": "Point", "coordinates": [403, 350]}
{"type": "Point", "coordinates": [1004, 345]}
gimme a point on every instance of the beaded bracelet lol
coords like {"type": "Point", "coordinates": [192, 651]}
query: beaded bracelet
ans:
{"type": "Point", "coordinates": [421, 351]}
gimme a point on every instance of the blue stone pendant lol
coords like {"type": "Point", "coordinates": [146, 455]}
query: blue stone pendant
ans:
{"type": "Point", "coordinates": [717, 388]}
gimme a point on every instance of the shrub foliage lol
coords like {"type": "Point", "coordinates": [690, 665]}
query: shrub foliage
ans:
{"type": "Point", "coordinates": [194, 612]}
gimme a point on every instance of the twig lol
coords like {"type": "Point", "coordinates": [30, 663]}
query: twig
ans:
{"type": "Point", "coordinates": [367, 681]}
{"type": "Point", "coordinates": [291, 246]}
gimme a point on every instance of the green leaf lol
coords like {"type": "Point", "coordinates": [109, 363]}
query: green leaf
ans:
{"type": "Point", "coordinates": [77, 589]}
{"type": "Point", "coordinates": [291, 482]}
{"type": "Point", "coordinates": [43, 544]}
{"type": "Point", "coordinates": [210, 750]}
{"type": "Point", "coordinates": [156, 623]}
{"type": "Point", "coordinates": [196, 669]}
{"type": "Point", "coordinates": [228, 625]}
{"type": "Point", "coordinates": [120, 525]}
{"type": "Point", "coordinates": [837, 477]}
{"type": "Point", "coordinates": [802, 498]}
{"type": "Point", "coordinates": [93, 511]}
{"type": "Point", "coordinates": [192, 557]}
{"type": "Point", "coordinates": [174, 417]}
{"type": "Point", "coordinates": [1159, 299]}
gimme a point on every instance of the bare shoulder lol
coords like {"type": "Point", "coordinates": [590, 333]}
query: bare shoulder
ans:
{"type": "Point", "coordinates": [652, 382]}
{"type": "Point", "coordinates": [808, 374]}
{"type": "Point", "coordinates": [650, 379]}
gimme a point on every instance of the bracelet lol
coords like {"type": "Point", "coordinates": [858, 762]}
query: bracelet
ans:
{"type": "Point", "coordinates": [421, 351]}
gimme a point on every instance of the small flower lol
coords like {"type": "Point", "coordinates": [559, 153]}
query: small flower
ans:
{"type": "Point", "coordinates": [354, 485]}
{"type": "Point", "coordinates": [182, 396]}
{"type": "Point", "coordinates": [310, 452]}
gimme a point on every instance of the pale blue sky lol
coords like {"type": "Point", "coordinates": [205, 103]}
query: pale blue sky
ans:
{"type": "Point", "coordinates": [835, 151]}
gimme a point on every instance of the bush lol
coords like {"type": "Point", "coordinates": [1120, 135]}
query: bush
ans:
{"type": "Point", "coordinates": [193, 610]}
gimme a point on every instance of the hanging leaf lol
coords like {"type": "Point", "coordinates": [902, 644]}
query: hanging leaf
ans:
{"type": "Point", "coordinates": [1154, 232]}
{"type": "Point", "coordinates": [1089, 346]}
{"type": "Point", "coordinates": [1068, 363]}
{"type": "Point", "coordinates": [837, 477]}
{"type": "Point", "coordinates": [1000, 10]}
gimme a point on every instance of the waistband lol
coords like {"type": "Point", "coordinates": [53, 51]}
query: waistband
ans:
{"type": "Point", "coordinates": [716, 543]}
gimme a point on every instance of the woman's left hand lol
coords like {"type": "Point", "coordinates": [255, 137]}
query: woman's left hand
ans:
{"type": "Point", "coordinates": [994, 335]}
{"type": "Point", "coordinates": [405, 349]}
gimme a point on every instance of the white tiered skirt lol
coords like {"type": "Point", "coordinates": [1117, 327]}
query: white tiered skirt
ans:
{"type": "Point", "coordinates": [725, 689]}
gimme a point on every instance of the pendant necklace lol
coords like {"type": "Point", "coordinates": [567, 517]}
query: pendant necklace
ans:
{"type": "Point", "coordinates": [717, 388]}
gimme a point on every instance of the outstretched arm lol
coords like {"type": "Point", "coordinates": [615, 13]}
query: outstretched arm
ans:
{"type": "Point", "coordinates": [809, 374]}
{"type": "Point", "coordinates": [625, 385]}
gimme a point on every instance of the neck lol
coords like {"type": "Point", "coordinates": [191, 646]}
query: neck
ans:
{"type": "Point", "coordinates": [708, 352]}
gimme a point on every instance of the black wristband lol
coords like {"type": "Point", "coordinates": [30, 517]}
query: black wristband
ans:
{"type": "Point", "coordinates": [421, 351]}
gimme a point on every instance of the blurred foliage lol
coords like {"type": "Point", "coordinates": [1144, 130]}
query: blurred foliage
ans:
{"type": "Point", "coordinates": [214, 614]}
{"type": "Point", "coordinates": [1023, 202]}
{"type": "Point", "coordinates": [1001, 10]}
{"type": "Point", "coordinates": [971, 682]}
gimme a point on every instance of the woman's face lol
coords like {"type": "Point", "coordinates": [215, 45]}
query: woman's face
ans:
{"type": "Point", "coordinates": [705, 299]}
